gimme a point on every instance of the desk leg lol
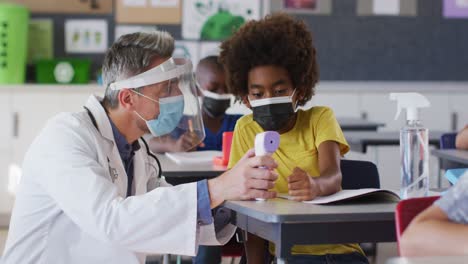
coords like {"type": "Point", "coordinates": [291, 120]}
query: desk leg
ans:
{"type": "Point", "coordinates": [376, 156]}
{"type": "Point", "coordinates": [165, 259]}
{"type": "Point", "coordinates": [281, 261]}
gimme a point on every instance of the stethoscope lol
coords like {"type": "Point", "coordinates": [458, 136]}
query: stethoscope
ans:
{"type": "Point", "coordinates": [148, 152]}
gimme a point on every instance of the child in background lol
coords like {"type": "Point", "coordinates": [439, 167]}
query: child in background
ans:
{"type": "Point", "coordinates": [271, 66]}
{"type": "Point", "coordinates": [461, 141]}
{"type": "Point", "coordinates": [215, 100]}
{"type": "Point", "coordinates": [441, 229]}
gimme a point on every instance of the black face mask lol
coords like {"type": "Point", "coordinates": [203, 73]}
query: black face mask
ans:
{"type": "Point", "coordinates": [215, 107]}
{"type": "Point", "coordinates": [273, 116]}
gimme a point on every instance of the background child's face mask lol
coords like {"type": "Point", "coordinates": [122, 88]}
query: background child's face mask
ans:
{"type": "Point", "coordinates": [215, 105]}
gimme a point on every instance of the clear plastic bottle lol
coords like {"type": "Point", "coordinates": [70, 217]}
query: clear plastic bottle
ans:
{"type": "Point", "coordinates": [414, 154]}
{"type": "Point", "coordinates": [414, 146]}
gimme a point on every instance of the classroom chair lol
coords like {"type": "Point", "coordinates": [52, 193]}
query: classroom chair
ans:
{"type": "Point", "coordinates": [233, 250]}
{"type": "Point", "coordinates": [358, 174]}
{"type": "Point", "coordinates": [407, 209]}
{"type": "Point", "coordinates": [447, 140]}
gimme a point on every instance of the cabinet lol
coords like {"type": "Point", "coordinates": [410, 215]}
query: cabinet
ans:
{"type": "Point", "coordinates": [24, 110]}
{"type": "Point", "coordinates": [5, 150]}
{"type": "Point", "coordinates": [31, 111]}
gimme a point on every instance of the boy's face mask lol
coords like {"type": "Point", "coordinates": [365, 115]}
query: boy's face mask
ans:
{"type": "Point", "coordinates": [273, 113]}
{"type": "Point", "coordinates": [215, 105]}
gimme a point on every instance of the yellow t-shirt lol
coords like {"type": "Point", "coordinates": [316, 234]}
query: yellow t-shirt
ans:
{"type": "Point", "coordinates": [298, 148]}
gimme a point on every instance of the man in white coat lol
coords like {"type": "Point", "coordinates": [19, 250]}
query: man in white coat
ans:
{"type": "Point", "coordinates": [90, 191]}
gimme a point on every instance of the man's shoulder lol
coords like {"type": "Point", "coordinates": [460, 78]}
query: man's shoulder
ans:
{"type": "Point", "coordinates": [66, 125]}
{"type": "Point", "coordinates": [71, 120]}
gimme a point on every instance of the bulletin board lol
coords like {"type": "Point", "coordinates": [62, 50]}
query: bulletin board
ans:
{"type": "Point", "coordinates": [425, 47]}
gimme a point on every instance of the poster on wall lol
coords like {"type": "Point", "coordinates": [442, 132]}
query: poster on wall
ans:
{"type": "Point", "coordinates": [387, 7]}
{"type": "Point", "coordinates": [40, 39]}
{"type": "Point", "coordinates": [323, 7]}
{"type": "Point", "coordinates": [165, 3]}
{"type": "Point", "coordinates": [148, 11]}
{"type": "Point", "coordinates": [187, 49]}
{"type": "Point", "coordinates": [455, 8]}
{"type": "Point", "coordinates": [209, 48]}
{"type": "Point", "coordinates": [216, 20]}
{"type": "Point", "coordinates": [68, 6]}
{"type": "Point", "coordinates": [85, 36]}
{"type": "Point", "coordinates": [125, 29]}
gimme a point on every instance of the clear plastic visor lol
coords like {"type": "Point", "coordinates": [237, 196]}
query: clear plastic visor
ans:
{"type": "Point", "coordinates": [174, 78]}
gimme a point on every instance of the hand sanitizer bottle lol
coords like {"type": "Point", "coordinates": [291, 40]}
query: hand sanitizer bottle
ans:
{"type": "Point", "coordinates": [414, 147]}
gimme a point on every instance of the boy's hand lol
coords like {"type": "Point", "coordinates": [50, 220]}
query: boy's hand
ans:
{"type": "Point", "coordinates": [301, 186]}
{"type": "Point", "coordinates": [187, 142]}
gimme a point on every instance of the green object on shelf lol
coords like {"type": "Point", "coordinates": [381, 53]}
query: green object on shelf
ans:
{"type": "Point", "coordinates": [14, 21]}
{"type": "Point", "coordinates": [75, 71]}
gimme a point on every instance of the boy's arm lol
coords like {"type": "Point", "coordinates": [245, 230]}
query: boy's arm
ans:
{"type": "Point", "coordinates": [161, 144]}
{"type": "Point", "coordinates": [462, 139]}
{"type": "Point", "coordinates": [329, 181]}
{"type": "Point", "coordinates": [303, 187]}
{"type": "Point", "coordinates": [168, 144]}
{"type": "Point", "coordinates": [433, 233]}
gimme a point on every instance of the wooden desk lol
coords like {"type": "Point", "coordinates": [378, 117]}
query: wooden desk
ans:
{"type": "Point", "coordinates": [359, 141]}
{"type": "Point", "coordinates": [287, 223]}
{"type": "Point", "coordinates": [358, 124]}
{"type": "Point", "coordinates": [430, 260]}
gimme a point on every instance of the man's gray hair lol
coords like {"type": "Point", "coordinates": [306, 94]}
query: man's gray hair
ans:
{"type": "Point", "coordinates": [130, 55]}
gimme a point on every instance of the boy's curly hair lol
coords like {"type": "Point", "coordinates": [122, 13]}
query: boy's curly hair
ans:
{"type": "Point", "coordinates": [278, 40]}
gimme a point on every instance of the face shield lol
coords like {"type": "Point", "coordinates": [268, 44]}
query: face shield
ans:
{"type": "Point", "coordinates": [179, 119]}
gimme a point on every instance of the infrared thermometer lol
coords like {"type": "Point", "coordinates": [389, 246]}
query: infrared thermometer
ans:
{"type": "Point", "coordinates": [266, 143]}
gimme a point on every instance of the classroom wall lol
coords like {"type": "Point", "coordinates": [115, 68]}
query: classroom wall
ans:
{"type": "Point", "coordinates": [424, 47]}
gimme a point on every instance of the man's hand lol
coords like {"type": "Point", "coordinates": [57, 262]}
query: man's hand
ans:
{"type": "Point", "coordinates": [301, 186]}
{"type": "Point", "coordinates": [245, 181]}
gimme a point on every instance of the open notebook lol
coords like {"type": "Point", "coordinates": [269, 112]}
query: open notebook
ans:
{"type": "Point", "coordinates": [345, 195]}
{"type": "Point", "coordinates": [195, 157]}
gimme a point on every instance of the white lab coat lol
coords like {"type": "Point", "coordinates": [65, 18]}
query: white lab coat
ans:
{"type": "Point", "coordinates": [69, 209]}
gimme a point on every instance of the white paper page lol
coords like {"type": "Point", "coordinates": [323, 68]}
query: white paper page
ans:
{"type": "Point", "coordinates": [341, 195]}
{"type": "Point", "coordinates": [386, 7]}
{"type": "Point", "coordinates": [134, 3]}
{"type": "Point", "coordinates": [194, 157]}
{"type": "Point", "coordinates": [165, 3]}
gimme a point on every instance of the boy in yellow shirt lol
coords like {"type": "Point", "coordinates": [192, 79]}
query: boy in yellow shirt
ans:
{"type": "Point", "coordinates": [271, 66]}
